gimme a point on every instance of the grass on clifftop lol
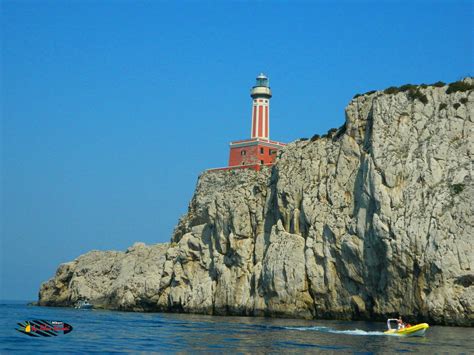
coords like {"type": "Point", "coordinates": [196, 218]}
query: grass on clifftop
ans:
{"type": "Point", "coordinates": [334, 133]}
{"type": "Point", "coordinates": [459, 86]}
{"type": "Point", "coordinates": [414, 92]}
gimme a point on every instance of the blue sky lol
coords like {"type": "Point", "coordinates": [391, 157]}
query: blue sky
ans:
{"type": "Point", "coordinates": [111, 109]}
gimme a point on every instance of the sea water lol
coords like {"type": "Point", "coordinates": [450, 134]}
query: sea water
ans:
{"type": "Point", "coordinates": [122, 332]}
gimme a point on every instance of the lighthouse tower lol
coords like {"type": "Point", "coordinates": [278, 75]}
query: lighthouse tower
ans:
{"type": "Point", "coordinates": [259, 149]}
{"type": "Point", "coordinates": [261, 95]}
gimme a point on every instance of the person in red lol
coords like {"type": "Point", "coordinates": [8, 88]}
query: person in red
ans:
{"type": "Point", "coordinates": [401, 324]}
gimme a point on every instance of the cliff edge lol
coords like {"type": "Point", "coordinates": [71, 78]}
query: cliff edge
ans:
{"type": "Point", "coordinates": [372, 220]}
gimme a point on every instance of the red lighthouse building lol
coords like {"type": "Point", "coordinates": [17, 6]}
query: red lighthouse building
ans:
{"type": "Point", "coordinates": [259, 149]}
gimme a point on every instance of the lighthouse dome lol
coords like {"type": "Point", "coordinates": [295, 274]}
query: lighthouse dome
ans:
{"type": "Point", "coordinates": [262, 80]}
{"type": "Point", "coordinates": [262, 87]}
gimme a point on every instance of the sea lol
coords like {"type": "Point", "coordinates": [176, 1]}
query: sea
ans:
{"type": "Point", "coordinates": [100, 331]}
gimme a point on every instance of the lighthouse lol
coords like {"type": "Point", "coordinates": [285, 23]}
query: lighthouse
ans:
{"type": "Point", "coordinates": [261, 95]}
{"type": "Point", "coordinates": [259, 149]}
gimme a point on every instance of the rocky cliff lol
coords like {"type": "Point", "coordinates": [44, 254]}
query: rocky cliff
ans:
{"type": "Point", "coordinates": [371, 220]}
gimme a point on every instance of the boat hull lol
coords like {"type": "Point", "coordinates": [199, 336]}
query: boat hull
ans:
{"type": "Point", "coordinates": [89, 306]}
{"type": "Point", "coordinates": [418, 330]}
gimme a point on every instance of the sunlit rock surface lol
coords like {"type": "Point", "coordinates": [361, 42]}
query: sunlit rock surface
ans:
{"type": "Point", "coordinates": [372, 220]}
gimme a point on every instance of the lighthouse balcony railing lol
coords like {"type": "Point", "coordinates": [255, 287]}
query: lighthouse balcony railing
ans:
{"type": "Point", "coordinates": [259, 140]}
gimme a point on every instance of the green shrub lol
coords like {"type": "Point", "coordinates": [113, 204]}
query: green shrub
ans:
{"type": "Point", "coordinates": [438, 84]}
{"type": "Point", "coordinates": [455, 139]}
{"type": "Point", "coordinates": [457, 105]}
{"type": "Point", "coordinates": [442, 106]}
{"type": "Point", "coordinates": [457, 188]}
{"type": "Point", "coordinates": [303, 139]}
{"type": "Point", "coordinates": [463, 100]}
{"type": "Point", "coordinates": [422, 98]}
{"type": "Point", "coordinates": [340, 131]}
{"type": "Point", "coordinates": [459, 86]}
{"type": "Point", "coordinates": [315, 137]}
{"type": "Point", "coordinates": [366, 93]}
{"type": "Point", "coordinates": [453, 87]}
{"type": "Point", "coordinates": [391, 90]}
{"type": "Point", "coordinates": [417, 94]}
{"type": "Point", "coordinates": [408, 87]}
{"type": "Point", "coordinates": [332, 131]}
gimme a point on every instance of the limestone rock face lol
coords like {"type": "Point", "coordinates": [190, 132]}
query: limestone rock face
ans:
{"type": "Point", "coordinates": [110, 279]}
{"type": "Point", "coordinates": [372, 220]}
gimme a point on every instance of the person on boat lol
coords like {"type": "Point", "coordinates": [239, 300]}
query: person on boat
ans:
{"type": "Point", "coordinates": [400, 324]}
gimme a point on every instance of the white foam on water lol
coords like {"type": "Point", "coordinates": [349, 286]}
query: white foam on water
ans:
{"type": "Point", "coordinates": [334, 331]}
{"type": "Point", "coordinates": [308, 328]}
{"type": "Point", "coordinates": [356, 332]}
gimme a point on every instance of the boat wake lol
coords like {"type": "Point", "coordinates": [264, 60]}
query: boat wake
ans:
{"type": "Point", "coordinates": [334, 331]}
